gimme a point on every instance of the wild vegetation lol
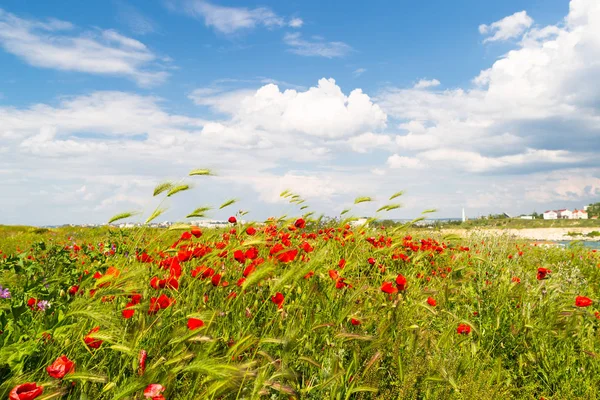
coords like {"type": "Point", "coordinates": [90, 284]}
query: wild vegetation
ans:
{"type": "Point", "coordinates": [289, 309]}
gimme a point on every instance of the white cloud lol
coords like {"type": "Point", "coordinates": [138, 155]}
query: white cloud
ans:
{"type": "Point", "coordinates": [426, 83]}
{"type": "Point", "coordinates": [111, 114]}
{"type": "Point", "coordinates": [395, 161]}
{"type": "Point", "coordinates": [358, 72]}
{"type": "Point", "coordinates": [137, 22]}
{"type": "Point", "coordinates": [315, 47]}
{"type": "Point", "coordinates": [119, 144]}
{"type": "Point", "coordinates": [367, 141]}
{"type": "Point", "coordinates": [322, 111]}
{"type": "Point", "coordinates": [509, 27]}
{"type": "Point", "coordinates": [229, 20]}
{"type": "Point", "coordinates": [295, 23]}
{"type": "Point", "coordinates": [536, 108]}
{"type": "Point", "coordinates": [53, 45]}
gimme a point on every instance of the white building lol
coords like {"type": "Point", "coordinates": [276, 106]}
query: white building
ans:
{"type": "Point", "coordinates": [526, 217]}
{"type": "Point", "coordinates": [358, 222]}
{"type": "Point", "coordinates": [580, 214]}
{"type": "Point", "coordinates": [550, 214]}
{"type": "Point", "coordinates": [564, 214]}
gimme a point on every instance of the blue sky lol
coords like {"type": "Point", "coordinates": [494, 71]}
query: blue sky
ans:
{"type": "Point", "coordinates": [491, 106]}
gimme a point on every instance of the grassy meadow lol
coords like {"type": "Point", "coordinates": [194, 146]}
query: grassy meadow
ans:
{"type": "Point", "coordinates": [294, 309]}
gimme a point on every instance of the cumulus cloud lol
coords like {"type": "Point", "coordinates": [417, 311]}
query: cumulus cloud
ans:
{"type": "Point", "coordinates": [367, 141]}
{"type": "Point", "coordinates": [395, 161]}
{"type": "Point", "coordinates": [521, 110]}
{"type": "Point", "coordinates": [315, 47]}
{"type": "Point", "coordinates": [118, 145]}
{"type": "Point", "coordinates": [323, 111]}
{"type": "Point", "coordinates": [426, 83]}
{"type": "Point", "coordinates": [507, 28]}
{"type": "Point", "coordinates": [54, 44]}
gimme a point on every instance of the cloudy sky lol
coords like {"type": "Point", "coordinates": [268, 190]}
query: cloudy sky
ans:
{"type": "Point", "coordinates": [490, 106]}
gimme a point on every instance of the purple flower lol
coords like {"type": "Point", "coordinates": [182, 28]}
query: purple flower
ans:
{"type": "Point", "coordinates": [4, 293]}
{"type": "Point", "coordinates": [43, 304]}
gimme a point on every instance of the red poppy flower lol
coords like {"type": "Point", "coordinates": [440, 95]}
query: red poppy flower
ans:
{"type": "Point", "coordinates": [342, 264]}
{"type": "Point", "coordinates": [371, 260]}
{"type": "Point", "coordinates": [239, 256]}
{"type": "Point", "coordinates": [142, 362]}
{"type": "Point", "coordinates": [431, 301]}
{"type": "Point", "coordinates": [128, 312]}
{"type": "Point", "coordinates": [542, 272]}
{"type": "Point", "coordinates": [278, 299]}
{"type": "Point", "coordinates": [300, 223]}
{"type": "Point", "coordinates": [216, 279]}
{"type": "Point", "coordinates": [232, 220]}
{"type": "Point", "coordinates": [186, 236]}
{"type": "Point", "coordinates": [307, 247]}
{"type": "Point", "coordinates": [287, 256]}
{"type": "Point", "coordinates": [354, 321]}
{"type": "Point", "coordinates": [333, 274]}
{"type": "Point", "coordinates": [60, 367]}
{"type": "Point", "coordinates": [155, 282]}
{"type": "Point", "coordinates": [463, 329]}
{"type": "Point", "coordinates": [25, 391]}
{"type": "Point", "coordinates": [31, 303]}
{"type": "Point", "coordinates": [401, 282]}
{"type": "Point", "coordinates": [309, 275]}
{"type": "Point", "coordinates": [158, 303]}
{"type": "Point", "coordinates": [582, 301]}
{"type": "Point", "coordinates": [251, 253]}
{"type": "Point", "coordinates": [251, 230]}
{"type": "Point", "coordinates": [194, 323]}
{"type": "Point", "coordinates": [248, 270]}
{"type": "Point", "coordinates": [208, 272]}
{"type": "Point", "coordinates": [516, 279]}
{"type": "Point", "coordinates": [90, 341]}
{"type": "Point", "coordinates": [73, 290]}
{"type": "Point", "coordinates": [388, 287]}
{"type": "Point", "coordinates": [153, 391]}
{"type": "Point", "coordinates": [196, 231]}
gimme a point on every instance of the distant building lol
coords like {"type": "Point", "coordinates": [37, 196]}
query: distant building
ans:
{"type": "Point", "coordinates": [550, 214]}
{"type": "Point", "coordinates": [526, 217]}
{"type": "Point", "coordinates": [580, 214]}
{"type": "Point", "coordinates": [358, 222]}
{"type": "Point", "coordinates": [564, 214]}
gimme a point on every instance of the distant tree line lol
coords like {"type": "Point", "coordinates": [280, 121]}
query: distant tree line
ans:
{"type": "Point", "coordinates": [593, 210]}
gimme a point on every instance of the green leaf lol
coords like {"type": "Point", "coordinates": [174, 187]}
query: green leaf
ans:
{"type": "Point", "coordinates": [155, 214]}
{"type": "Point", "coordinates": [162, 187]}
{"type": "Point", "coordinates": [362, 199]}
{"type": "Point", "coordinates": [227, 203]}
{"type": "Point", "coordinates": [123, 215]}
{"type": "Point", "coordinates": [198, 212]}
{"type": "Point", "coordinates": [200, 172]}
{"type": "Point", "coordinates": [82, 376]}
{"type": "Point", "coordinates": [397, 194]}
{"type": "Point", "coordinates": [178, 188]}
{"type": "Point", "coordinates": [389, 207]}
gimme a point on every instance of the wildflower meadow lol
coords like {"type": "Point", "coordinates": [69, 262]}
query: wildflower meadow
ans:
{"type": "Point", "coordinates": [293, 308]}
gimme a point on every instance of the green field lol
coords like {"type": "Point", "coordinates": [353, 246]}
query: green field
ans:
{"type": "Point", "coordinates": [516, 223]}
{"type": "Point", "coordinates": [282, 317]}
